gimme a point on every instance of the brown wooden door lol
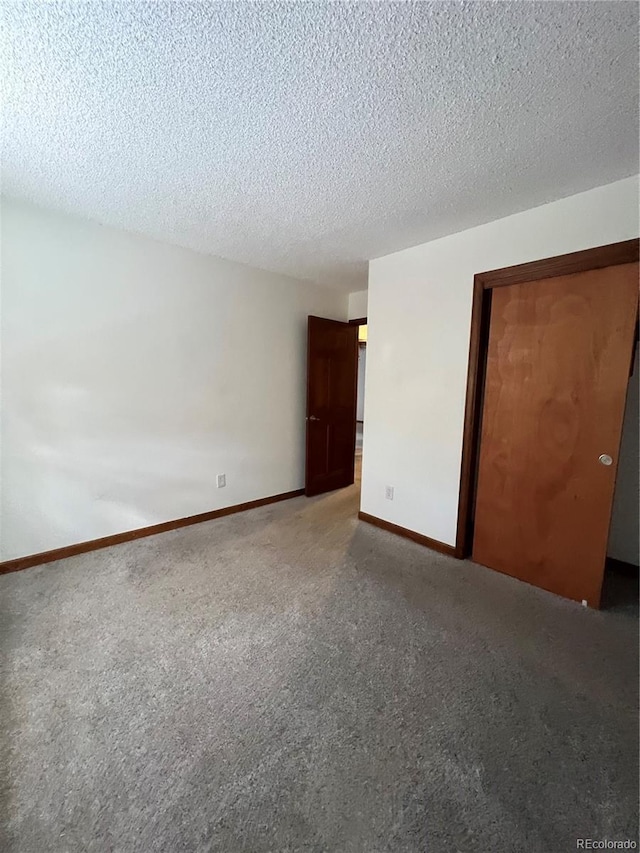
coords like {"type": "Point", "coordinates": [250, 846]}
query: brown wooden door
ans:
{"type": "Point", "coordinates": [556, 380]}
{"type": "Point", "coordinates": [332, 364]}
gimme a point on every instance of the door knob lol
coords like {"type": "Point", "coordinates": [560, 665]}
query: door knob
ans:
{"type": "Point", "coordinates": [605, 459]}
{"type": "Point", "coordinates": [314, 418]}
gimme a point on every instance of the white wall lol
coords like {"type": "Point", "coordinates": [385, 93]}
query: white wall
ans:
{"type": "Point", "coordinates": [357, 305]}
{"type": "Point", "coordinates": [134, 372]}
{"type": "Point", "coordinates": [419, 314]}
{"type": "Point", "coordinates": [624, 536]}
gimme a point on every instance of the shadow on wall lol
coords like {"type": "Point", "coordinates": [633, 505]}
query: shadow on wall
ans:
{"type": "Point", "coordinates": [117, 444]}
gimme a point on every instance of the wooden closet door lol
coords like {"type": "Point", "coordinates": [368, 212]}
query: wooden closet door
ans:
{"type": "Point", "coordinates": [556, 380]}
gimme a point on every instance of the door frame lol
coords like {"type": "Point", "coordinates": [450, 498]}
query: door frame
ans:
{"type": "Point", "coordinates": [626, 252]}
{"type": "Point", "coordinates": [309, 492]}
{"type": "Point", "coordinates": [361, 321]}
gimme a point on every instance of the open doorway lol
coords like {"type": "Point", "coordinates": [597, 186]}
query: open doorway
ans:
{"type": "Point", "coordinates": [332, 440]}
{"type": "Point", "coordinates": [362, 364]}
{"type": "Point", "coordinates": [621, 577]}
{"type": "Point", "coordinates": [332, 361]}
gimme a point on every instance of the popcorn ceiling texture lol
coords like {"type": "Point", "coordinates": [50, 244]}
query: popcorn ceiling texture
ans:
{"type": "Point", "coordinates": [308, 138]}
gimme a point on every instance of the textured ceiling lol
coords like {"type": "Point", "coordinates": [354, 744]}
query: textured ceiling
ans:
{"type": "Point", "coordinates": [309, 137]}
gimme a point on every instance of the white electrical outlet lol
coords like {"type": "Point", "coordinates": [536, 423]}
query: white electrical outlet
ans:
{"type": "Point", "coordinates": [388, 492]}
{"type": "Point", "coordinates": [221, 480]}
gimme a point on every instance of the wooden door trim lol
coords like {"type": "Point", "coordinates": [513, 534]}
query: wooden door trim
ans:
{"type": "Point", "coordinates": [362, 321]}
{"type": "Point", "coordinates": [626, 252]}
{"type": "Point", "coordinates": [575, 262]}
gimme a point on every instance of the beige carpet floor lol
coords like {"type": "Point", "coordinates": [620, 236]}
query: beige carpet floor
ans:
{"type": "Point", "coordinates": [291, 679]}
